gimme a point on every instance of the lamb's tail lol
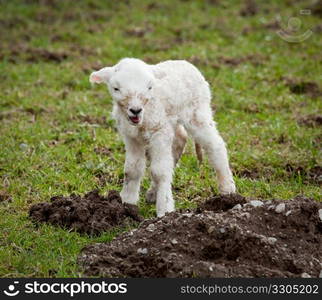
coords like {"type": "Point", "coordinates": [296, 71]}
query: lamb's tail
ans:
{"type": "Point", "coordinates": [199, 152]}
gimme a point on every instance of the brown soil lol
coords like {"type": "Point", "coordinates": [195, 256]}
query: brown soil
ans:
{"type": "Point", "coordinates": [21, 51]}
{"type": "Point", "coordinates": [105, 178]}
{"type": "Point", "coordinates": [315, 174]}
{"type": "Point", "coordinates": [138, 31]}
{"type": "Point", "coordinates": [252, 108]}
{"type": "Point", "coordinates": [282, 139]}
{"type": "Point", "coordinates": [254, 59]}
{"type": "Point", "coordinates": [246, 241]}
{"type": "Point", "coordinates": [46, 55]}
{"type": "Point", "coordinates": [310, 120]}
{"type": "Point", "coordinates": [312, 175]}
{"type": "Point", "coordinates": [250, 9]}
{"type": "Point", "coordinates": [93, 120]}
{"type": "Point", "coordinates": [309, 88]}
{"type": "Point", "coordinates": [103, 151]}
{"type": "Point", "coordinates": [254, 172]}
{"type": "Point", "coordinates": [155, 6]}
{"type": "Point", "coordinates": [221, 202]}
{"type": "Point", "coordinates": [91, 214]}
{"type": "Point", "coordinates": [12, 22]}
{"type": "Point", "coordinates": [5, 196]}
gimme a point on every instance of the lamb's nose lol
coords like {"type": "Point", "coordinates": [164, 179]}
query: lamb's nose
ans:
{"type": "Point", "coordinates": [135, 111]}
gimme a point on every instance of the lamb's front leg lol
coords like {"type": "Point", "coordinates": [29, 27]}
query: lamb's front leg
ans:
{"type": "Point", "coordinates": [161, 172]}
{"type": "Point", "coordinates": [133, 171]}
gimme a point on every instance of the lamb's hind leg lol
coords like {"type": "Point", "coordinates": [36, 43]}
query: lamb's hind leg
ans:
{"type": "Point", "coordinates": [178, 145]}
{"type": "Point", "coordinates": [179, 142]}
{"type": "Point", "coordinates": [206, 134]}
{"type": "Point", "coordinates": [151, 194]}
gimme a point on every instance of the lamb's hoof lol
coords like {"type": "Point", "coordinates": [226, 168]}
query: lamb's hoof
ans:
{"type": "Point", "coordinates": [227, 188]}
{"type": "Point", "coordinates": [161, 214]}
{"type": "Point", "coordinates": [151, 196]}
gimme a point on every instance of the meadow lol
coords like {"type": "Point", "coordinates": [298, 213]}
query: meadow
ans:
{"type": "Point", "coordinates": [57, 136]}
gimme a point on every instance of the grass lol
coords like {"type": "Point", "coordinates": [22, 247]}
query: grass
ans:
{"type": "Point", "coordinates": [52, 119]}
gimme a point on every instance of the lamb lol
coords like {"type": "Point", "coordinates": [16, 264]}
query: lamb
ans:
{"type": "Point", "coordinates": [155, 106]}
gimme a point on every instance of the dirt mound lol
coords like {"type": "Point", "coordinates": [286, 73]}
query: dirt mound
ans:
{"type": "Point", "coordinates": [91, 214]}
{"type": "Point", "coordinates": [253, 239]}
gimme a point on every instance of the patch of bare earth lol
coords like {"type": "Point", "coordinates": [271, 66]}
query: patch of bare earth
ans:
{"type": "Point", "coordinates": [298, 87]}
{"type": "Point", "coordinates": [251, 173]}
{"type": "Point", "coordinates": [29, 54]}
{"type": "Point", "coordinates": [224, 237]}
{"type": "Point", "coordinates": [91, 214]}
{"type": "Point", "coordinates": [249, 9]}
{"type": "Point", "coordinates": [310, 120]}
{"type": "Point", "coordinates": [255, 59]}
{"type": "Point", "coordinates": [5, 196]}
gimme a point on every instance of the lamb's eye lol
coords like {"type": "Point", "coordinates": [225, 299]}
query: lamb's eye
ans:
{"type": "Point", "coordinates": [116, 89]}
{"type": "Point", "coordinates": [150, 88]}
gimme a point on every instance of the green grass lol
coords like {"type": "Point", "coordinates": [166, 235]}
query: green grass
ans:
{"type": "Point", "coordinates": [47, 147]}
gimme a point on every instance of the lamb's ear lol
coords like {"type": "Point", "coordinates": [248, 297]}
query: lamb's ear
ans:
{"type": "Point", "coordinates": [157, 72]}
{"type": "Point", "coordinates": [102, 75]}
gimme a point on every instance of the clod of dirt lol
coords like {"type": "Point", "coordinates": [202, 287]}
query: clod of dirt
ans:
{"type": "Point", "coordinates": [311, 120]}
{"type": "Point", "coordinates": [250, 9]}
{"type": "Point", "coordinates": [246, 173]}
{"type": "Point", "coordinates": [155, 6]}
{"type": "Point", "coordinates": [222, 203]}
{"type": "Point", "coordinates": [245, 242]}
{"type": "Point", "coordinates": [45, 55]}
{"type": "Point", "coordinates": [309, 88]}
{"type": "Point", "coordinates": [315, 174]}
{"type": "Point", "coordinates": [4, 196]}
{"type": "Point", "coordinates": [138, 31]}
{"type": "Point", "coordinates": [252, 108]}
{"type": "Point", "coordinates": [103, 151]}
{"type": "Point", "coordinates": [91, 214]}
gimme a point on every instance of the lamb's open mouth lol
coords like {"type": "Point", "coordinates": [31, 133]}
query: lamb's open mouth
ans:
{"type": "Point", "coordinates": [135, 119]}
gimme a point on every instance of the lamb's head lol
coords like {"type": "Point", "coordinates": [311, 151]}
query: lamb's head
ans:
{"type": "Point", "coordinates": [130, 83]}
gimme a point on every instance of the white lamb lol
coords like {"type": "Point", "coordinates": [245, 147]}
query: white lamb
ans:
{"type": "Point", "coordinates": [154, 106]}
